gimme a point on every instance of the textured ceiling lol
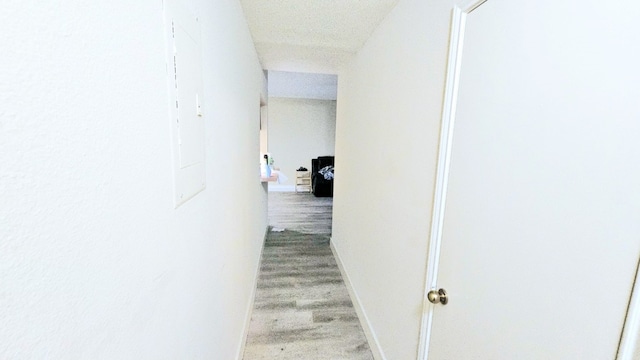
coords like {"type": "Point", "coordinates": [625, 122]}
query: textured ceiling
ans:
{"type": "Point", "coordinates": [311, 35]}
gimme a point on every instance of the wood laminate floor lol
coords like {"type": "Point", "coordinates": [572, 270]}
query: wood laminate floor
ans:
{"type": "Point", "coordinates": [302, 308]}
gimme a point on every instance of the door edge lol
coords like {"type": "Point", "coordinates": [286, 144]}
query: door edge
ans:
{"type": "Point", "coordinates": [630, 339]}
{"type": "Point", "coordinates": [456, 40]}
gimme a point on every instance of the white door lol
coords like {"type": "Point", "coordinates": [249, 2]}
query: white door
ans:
{"type": "Point", "coordinates": [541, 230]}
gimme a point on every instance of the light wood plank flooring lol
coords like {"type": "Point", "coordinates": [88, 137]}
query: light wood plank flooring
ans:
{"type": "Point", "coordinates": [301, 212]}
{"type": "Point", "coordinates": [302, 308]}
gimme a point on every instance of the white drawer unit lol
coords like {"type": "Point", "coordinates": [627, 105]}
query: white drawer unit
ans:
{"type": "Point", "coordinates": [303, 181]}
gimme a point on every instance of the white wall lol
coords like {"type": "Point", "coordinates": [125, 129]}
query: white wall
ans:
{"type": "Point", "coordinates": [388, 118]}
{"type": "Point", "coordinates": [299, 130]}
{"type": "Point", "coordinates": [95, 262]}
{"type": "Point", "coordinates": [303, 85]}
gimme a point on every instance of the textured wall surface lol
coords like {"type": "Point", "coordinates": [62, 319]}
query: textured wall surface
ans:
{"type": "Point", "coordinates": [388, 118]}
{"type": "Point", "coordinates": [303, 85]}
{"type": "Point", "coordinates": [565, 81]}
{"type": "Point", "coordinates": [95, 262]}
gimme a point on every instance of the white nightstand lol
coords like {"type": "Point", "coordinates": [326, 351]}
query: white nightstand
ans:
{"type": "Point", "coordinates": [303, 179]}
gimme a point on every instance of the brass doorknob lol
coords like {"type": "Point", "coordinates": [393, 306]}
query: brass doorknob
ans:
{"type": "Point", "coordinates": [438, 297]}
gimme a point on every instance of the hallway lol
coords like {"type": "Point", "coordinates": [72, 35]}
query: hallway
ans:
{"type": "Point", "coordinates": [134, 215]}
{"type": "Point", "coordinates": [302, 308]}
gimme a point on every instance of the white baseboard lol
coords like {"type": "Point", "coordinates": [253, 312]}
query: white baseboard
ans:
{"type": "Point", "coordinates": [281, 188]}
{"type": "Point", "coordinates": [252, 299]}
{"type": "Point", "coordinates": [374, 344]}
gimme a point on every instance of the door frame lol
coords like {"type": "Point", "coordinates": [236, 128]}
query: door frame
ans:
{"type": "Point", "coordinates": [630, 340]}
{"type": "Point", "coordinates": [458, 20]}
